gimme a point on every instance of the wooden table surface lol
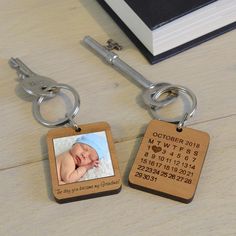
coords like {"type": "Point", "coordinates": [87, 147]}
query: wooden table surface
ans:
{"type": "Point", "coordinates": [47, 36]}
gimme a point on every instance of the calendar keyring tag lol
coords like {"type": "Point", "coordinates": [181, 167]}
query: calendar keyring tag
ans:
{"type": "Point", "coordinates": [171, 156]}
{"type": "Point", "coordinates": [187, 114]}
{"type": "Point", "coordinates": [68, 119]}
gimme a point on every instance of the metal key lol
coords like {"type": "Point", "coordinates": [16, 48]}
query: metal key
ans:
{"type": "Point", "coordinates": [33, 83]}
{"type": "Point", "coordinates": [43, 88]}
{"type": "Point", "coordinates": [150, 88]}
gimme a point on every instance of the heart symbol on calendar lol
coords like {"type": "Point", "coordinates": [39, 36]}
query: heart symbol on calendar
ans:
{"type": "Point", "coordinates": [156, 149]}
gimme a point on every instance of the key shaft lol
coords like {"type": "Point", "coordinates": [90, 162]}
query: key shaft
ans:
{"type": "Point", "coordinates": [113, 59]}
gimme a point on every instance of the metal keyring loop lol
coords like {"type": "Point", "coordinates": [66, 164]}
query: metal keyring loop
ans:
{"type": "Point", "coordinates": [178, 89]}
{"type": "Point", "coordinates": [68, 116]}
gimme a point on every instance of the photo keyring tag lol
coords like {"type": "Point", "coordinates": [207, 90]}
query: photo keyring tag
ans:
{"type": "Point", "coordinates": [170, 158]}
{"type": "Point", "coordinates": [68, 149]}
{"type": "Point", "coordinates": [82, 158]}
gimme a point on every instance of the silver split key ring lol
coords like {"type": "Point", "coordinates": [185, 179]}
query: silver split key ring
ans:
{"type": "Point", "coordinates": [152, 91]}
{"type": "Point", "coordinates": [188, 114]}
{"type": "Point", "coordinates": [43, 88]}
{"type": "Point", "coordinates": [68, 119]}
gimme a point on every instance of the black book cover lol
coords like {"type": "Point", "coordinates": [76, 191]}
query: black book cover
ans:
{"type": "Point", "coordinates": [155, 59]}
{"type": "Point", "coordinates": [155, 13]}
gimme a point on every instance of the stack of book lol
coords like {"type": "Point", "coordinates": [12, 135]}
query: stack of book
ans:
{"type": "Point", "coordinates": [163, 28]}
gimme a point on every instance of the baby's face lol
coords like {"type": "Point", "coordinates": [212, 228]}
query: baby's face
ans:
{"type": "Point", "coordinates": [83, 154]}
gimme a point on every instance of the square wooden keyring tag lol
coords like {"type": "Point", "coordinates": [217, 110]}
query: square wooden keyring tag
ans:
{"type": "Point", "coordinates": [168, 162]}
{"type": "Point", "coordinates": [83, 164]}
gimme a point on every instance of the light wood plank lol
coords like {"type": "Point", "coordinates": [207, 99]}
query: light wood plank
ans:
{"type": "Point", "coordinates": [47, 36]}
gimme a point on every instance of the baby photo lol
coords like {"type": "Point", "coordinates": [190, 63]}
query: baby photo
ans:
{"type": "Point", "coordinates": [82, 157]}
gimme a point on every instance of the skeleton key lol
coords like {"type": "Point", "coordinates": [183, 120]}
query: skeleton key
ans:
{"type": "Point", "coordinates": [33, 83]}
{"type": "Point", "coordinates": [150, 88]}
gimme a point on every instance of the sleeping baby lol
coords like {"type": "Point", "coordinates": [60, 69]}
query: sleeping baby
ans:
{"type": "Point", "coordinates": [84, 155]}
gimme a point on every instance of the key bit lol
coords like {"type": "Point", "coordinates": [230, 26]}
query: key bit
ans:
{"type": "Point", "coordinates": [112, 44]}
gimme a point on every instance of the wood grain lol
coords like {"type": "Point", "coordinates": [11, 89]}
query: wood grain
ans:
{"type": "Point", "coordinates": [169, 162]}
{"type": "Point", "coordinates": [47, 36]}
